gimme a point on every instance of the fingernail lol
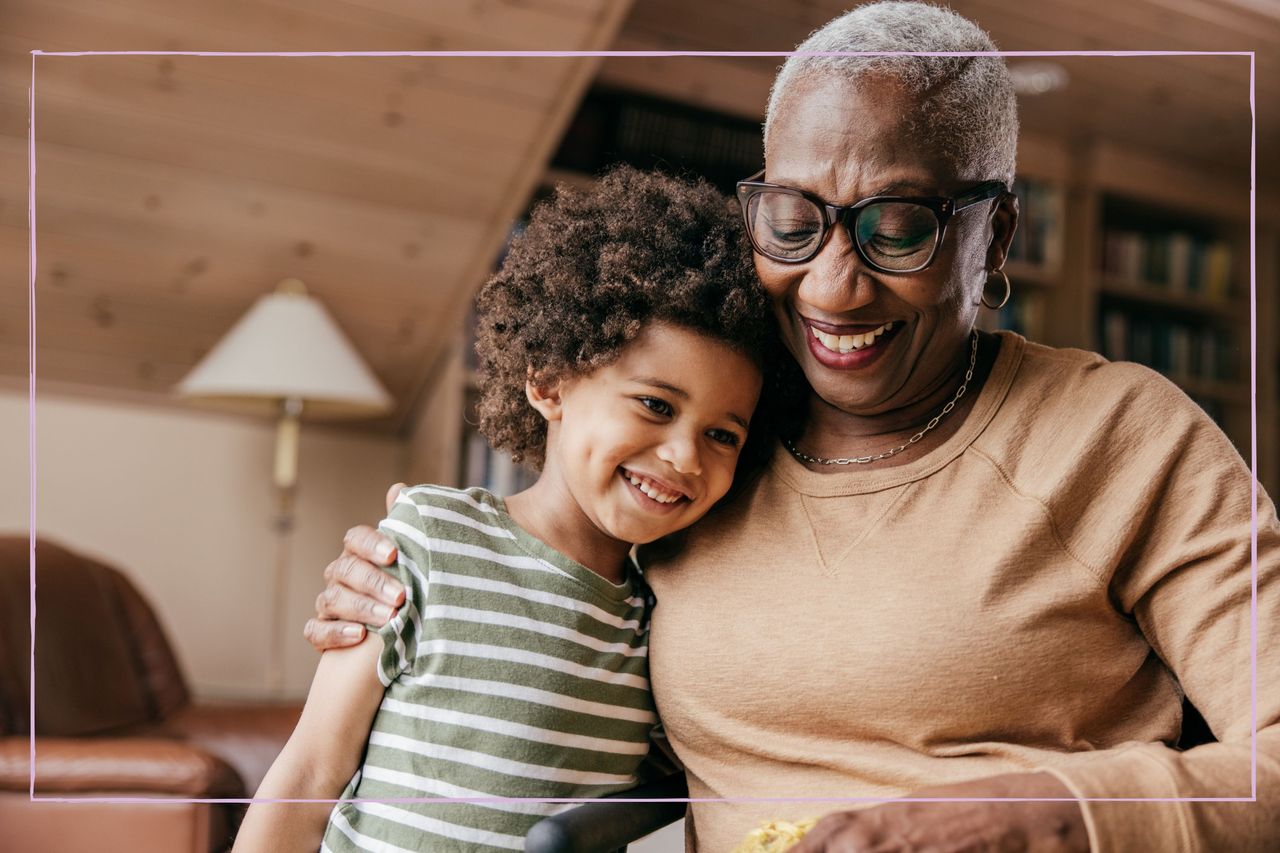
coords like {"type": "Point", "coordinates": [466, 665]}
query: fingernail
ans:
{"type": "Point", "coordinates": [352, 631]}
{"type": "Point", "coordinates": [389, 591]}
{"type": "Point", "coordinates": [384, 552]}
{"type": "Point", "coordinates": [382, 612]}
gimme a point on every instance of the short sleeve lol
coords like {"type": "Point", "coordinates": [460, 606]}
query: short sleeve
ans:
{"type": "Point", "coordinates": [406, 527]}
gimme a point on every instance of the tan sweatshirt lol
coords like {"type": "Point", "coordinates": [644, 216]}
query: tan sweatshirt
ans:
{"type": "Point", "coordinates": [1029, 595]}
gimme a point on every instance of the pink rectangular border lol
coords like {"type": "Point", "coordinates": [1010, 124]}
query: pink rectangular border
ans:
{"type": "Point", "coordinates": [1253, 394]}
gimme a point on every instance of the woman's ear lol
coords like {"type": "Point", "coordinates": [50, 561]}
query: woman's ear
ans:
{"type": "Point", "coordinates": [544, 396]}
{"type": "Point", "coordinates": [1004, 221]}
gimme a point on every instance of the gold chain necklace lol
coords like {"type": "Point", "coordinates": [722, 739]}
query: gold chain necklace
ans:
{"type": "Point", "coordinates": [933, 422]}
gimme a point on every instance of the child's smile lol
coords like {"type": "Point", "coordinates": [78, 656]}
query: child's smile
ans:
{"type": "Point", "coordinates": [657, 491]}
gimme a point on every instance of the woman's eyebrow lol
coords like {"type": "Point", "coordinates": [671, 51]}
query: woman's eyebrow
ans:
{"type": "Point", "coordinates": [665, 386]}
{"type": "Point", "coordinates": [898, 187]}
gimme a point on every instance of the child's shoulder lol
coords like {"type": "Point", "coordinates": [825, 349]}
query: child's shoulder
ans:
{"type": "Point", "coordinates": [470, 501]}
{"type": "Point", "coordinates": [441, 511]}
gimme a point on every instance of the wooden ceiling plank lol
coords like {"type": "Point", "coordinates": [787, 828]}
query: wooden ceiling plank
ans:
{"type": "Point", "coordinates": [197, 199]}
{"type": "Point", "coordinates": [53, 28]}
{"type": "Point", "coordinates": [203, 101]}
{"type": "Point", "coordinates": [718, 26]}
{"type": "Point", "coordinates": [512, 26]}
{"type": "Point", "coordinates": [334, 253]}
{"type": "Point", "coordinates": [428, 151]}
{"type": "Point", "coordinates": [417, 188]}
{"type": "Point", "coordinates": [145, 271]}
{"type": "Point", "coordinates": [559, 7]}
{"type": "Point", "coordinates": [1102, 25]}
{"type": "Point", "coordinates": [1236, 23]}
{"type": "Point", "coordinates": [321, 170]}
{"type": "Point", "coordinates": [383, 294]}
{"type": "Point", "coordinates": [316, 25]}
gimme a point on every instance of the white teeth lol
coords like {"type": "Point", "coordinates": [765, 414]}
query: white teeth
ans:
{"type": "Point", "coordinates": [849, 343]}
{"type": "Point", "coordinates": [652, 490]}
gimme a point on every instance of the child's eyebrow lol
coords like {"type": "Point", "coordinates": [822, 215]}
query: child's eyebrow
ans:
{"type": "Point", "coordinates": [658, 383]}
{"type": "Point", "coordinates": [739, 421]}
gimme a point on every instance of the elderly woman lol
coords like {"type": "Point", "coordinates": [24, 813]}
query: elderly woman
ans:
{"type": "Point", "coordinates": [978, 567]}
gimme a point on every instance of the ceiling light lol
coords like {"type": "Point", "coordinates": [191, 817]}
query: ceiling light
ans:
{"type": "Point", "coordinates": [1037, 78]}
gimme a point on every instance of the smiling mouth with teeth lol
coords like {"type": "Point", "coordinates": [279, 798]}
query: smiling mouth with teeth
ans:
{"type": "Point", "coordinates": [850, 343]}
{"type": "Point", "coordinates": [651, 489]}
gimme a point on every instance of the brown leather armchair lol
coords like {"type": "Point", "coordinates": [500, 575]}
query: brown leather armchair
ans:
{"type": "Point", "coordinates": [113, 719]}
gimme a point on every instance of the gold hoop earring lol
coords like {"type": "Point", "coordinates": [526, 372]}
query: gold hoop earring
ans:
{"type": "Point", "coordinates": [1008, 289]}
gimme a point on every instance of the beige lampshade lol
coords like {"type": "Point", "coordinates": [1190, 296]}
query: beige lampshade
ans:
{"type": "Point", "coordinates": [287, 347]}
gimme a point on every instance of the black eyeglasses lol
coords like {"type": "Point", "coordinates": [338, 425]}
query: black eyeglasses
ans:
{"type": "Point", "coordinates": [890, 233]}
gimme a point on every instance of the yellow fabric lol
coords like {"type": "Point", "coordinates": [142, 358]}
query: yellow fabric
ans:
{"type": "Point", "coordinates": [776, 836]}
{"type": "Point", "coordinates": [1027, 595]}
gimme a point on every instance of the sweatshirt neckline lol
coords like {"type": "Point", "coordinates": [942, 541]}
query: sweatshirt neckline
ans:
{"type": "Point", "coordinates": [864, 479]}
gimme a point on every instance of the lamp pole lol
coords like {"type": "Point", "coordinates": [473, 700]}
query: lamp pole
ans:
{"type": "Point", "coordinates": [286, 479]}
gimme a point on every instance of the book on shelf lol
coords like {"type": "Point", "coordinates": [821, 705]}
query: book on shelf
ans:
{"type": "Point", "coordinates": [1024, 313]}
{"type": "Point", "coordinates": [491, 469]}
{"type": "Point", "coordinates": [1180, 350]}
{"type": "Point", "coordinates": [1038, 238]}
{"type": "Point", "coordinates": [1174, 261]}
{"type": "Point", "coordinates": [616, 126]}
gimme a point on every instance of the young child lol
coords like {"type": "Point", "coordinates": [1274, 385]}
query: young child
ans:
{"type": "Point", "coordinates": [620, 354]}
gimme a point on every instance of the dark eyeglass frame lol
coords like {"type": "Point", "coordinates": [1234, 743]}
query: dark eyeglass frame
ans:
{"type": "Point", "coordinates": [943, 209]}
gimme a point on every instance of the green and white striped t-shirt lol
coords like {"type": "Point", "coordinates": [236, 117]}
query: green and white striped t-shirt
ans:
{"type": "Point", "coordinates": [511, 671]}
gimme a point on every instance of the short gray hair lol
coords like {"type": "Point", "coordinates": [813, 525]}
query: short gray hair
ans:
{"type": "Point", "coordinates": [968, 103]}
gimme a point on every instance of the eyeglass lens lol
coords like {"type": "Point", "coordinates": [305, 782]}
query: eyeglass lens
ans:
{"type": "Point", "coordinates": [891, 235]}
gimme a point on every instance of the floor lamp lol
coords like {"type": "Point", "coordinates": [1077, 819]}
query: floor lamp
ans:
{"type": "Point", "coordinates": [285, 358]}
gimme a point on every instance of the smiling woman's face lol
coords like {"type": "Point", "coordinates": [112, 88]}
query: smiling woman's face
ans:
{"type": "Point", "coordinates": [844, 144]}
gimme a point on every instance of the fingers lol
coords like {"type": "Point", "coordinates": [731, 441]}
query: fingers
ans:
{"type": "Point", "coordinates": [368, 544]}
{"type": "Point", "coordinates": [324, 635]}
{"type": "Point", "coordinates": [338, 603]}
{"type": "Point", "coordinates": [363, 579]}
{"type": "Point", "coordinates": [392, 494]}
{"type": "Point", "coordinates": [841, 832]}
{"type": "Point", "coordinates": [364, 549]}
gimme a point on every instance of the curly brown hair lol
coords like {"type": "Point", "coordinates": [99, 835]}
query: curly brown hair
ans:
{"type": "Point", "coordinates": [586, 275]}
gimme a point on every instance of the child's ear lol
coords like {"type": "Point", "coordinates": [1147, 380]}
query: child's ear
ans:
{"type": "Point", "coordinates": [545, 397]}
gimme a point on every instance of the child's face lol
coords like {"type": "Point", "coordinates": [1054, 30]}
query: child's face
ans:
{"type": "Point", "coordinates": [648, 444]}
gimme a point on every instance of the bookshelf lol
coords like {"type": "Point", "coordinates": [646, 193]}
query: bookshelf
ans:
{"type": "Point", "coordinates": [1172, 293]}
